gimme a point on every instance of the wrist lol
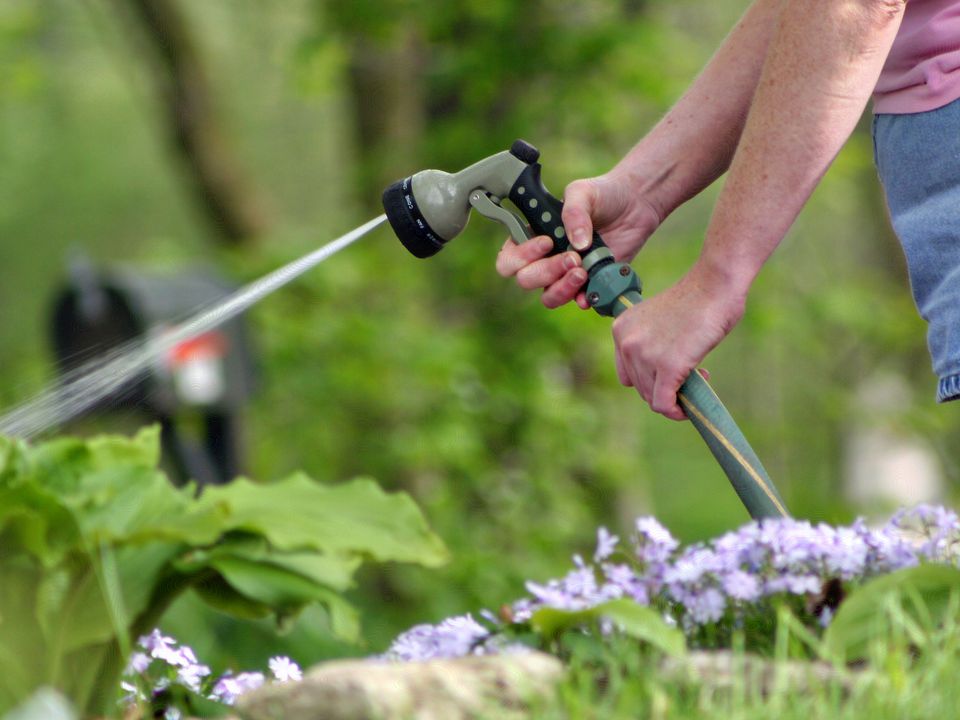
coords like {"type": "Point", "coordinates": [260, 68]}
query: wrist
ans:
{"type": "Point", "coordinates": [647, 178]}
{"type": "Point", "coordinates": [722, 280]}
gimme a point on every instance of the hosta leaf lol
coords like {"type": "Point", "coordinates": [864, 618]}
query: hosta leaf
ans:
{"type": "Point", "coordinates": [85, 617]}
{"type": "Point", "coordinates": [266, 583]}
{"type": "Point", "coordinates": [298, 514]}
{"type": "Point", "coordinates": [334, 571]}
{"type": "Point", "coordinates": [220, 595]}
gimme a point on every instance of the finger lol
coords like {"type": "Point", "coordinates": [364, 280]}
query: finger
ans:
{"type": "Point", "coordinates": [664, 398]}
{"type": "Point", "coordinates": [704, 373]}
{"type": "Point", "coordinates": [545, 272]}
{"type": "Point", "coordinates": [578, 201]}
{"type": "Point", "coordinates": [565, 289]}
{"type": "Point", "coordinates": [582, 301]}
{"type": "Point", "coordinates": [513, 258]}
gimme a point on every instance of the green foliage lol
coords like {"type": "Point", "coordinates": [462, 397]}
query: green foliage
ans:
{"type": "Point", "coordinates": [634, 620]}
{"type": "Point", "coordinates": [900, 608]}
{"type": "Point", "coordinates": [617, 682]}
{"type": "Point", "coordinates": [95, 543]}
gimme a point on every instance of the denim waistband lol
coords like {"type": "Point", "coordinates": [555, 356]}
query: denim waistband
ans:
{"type": "Point", "coordinates": [948, 388]}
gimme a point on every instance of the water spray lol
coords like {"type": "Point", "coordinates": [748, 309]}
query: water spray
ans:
{"type": "Point", "coordinates": [430, 208]}
{"type": "Point", "coordinates": [87, 384]}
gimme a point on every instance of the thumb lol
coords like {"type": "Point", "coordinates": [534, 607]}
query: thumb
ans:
{"type": "Point", "coordinates": [579, 200]}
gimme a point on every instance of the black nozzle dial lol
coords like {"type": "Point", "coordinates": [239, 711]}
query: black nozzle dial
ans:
{"type": "Point", "coordinates": [524, 151]}
{"type": "Point", "coordinates": [408, 222]}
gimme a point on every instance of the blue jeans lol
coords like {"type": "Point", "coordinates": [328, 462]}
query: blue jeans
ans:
{"type": "Point", "coordinates": [918, 158]}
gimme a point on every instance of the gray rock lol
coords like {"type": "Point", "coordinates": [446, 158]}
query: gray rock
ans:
{"type": "Point", "coordinates": [494, 686]}
{"type": "Point", "coordinates": [45, 704]}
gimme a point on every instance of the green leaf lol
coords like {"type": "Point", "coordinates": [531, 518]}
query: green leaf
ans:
{"type": "Point", "coordinates": [220, 595]}
{"type": "Point", "coordinates": [86, 617]}
{"type": "Point", "coordinates": [864, 617]}
{"type": "Point", "coordinates": [344, 618]}
{"type": "Point", "coordinates": [298, 513]}
{"type": "Point", "coordinates": [141, 451]}
{"type": "Point", "coordinates": [266, 583]}
{"type": "Point", "coordinates": [96, 542]}
{"type": "Point", "coordinates": [637, 621]}
{"type": "Point", "coordinates": [335, 571]}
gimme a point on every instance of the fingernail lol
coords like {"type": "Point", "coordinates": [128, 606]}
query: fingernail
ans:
{"type": "Point", "coordinates": [580, 239]}
{"type": "Point", "coordinates": [545, 244]}
{"type": "Point", "coordinates": [570, 261]}
{"type": "Point", "coordinates": [579, 276]}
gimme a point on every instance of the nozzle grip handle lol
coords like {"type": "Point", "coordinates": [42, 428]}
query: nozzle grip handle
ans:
{"type": "Point", "coordinates": [543, 211]}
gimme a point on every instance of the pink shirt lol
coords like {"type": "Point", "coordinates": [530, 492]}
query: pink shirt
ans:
{"type": "Point", "coordinates": [923, 70]}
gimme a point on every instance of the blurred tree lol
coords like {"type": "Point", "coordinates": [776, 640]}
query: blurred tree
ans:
{"type": "Point", "coordinates": [233, 203]}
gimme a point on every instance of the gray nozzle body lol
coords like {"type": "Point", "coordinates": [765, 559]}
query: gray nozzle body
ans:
{"type": "Point", "coordinates": [432, 207]}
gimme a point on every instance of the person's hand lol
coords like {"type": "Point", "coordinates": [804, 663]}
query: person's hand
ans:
{"type": "Point", "coordinates": [608, 203]}
{"type": "Point", "coordinates": [660, 341]}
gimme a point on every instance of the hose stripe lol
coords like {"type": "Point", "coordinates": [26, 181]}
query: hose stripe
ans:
{"type": "Point", "coordinates": [691, 408]}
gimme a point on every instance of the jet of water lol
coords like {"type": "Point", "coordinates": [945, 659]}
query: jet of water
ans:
{"type": "Point", "coordinates": [92, 381]}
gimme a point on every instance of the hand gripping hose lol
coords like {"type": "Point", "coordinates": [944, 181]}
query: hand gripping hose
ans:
{"type": "Point", "coordinates": [430, 208]}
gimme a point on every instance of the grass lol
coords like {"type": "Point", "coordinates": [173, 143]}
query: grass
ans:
{"type": "Point", "coordinates": [913, 673]}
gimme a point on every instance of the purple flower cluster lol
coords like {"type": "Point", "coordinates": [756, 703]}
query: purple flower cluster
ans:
{"type": "Point", "coordinates": [454, 637]}
{"type": "Point", "coordinates": [159, 662]}
{"type": "Point", "coordinates": [705, 583]}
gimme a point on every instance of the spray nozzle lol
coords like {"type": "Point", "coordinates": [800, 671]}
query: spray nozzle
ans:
{"type": "Point", "coordinates": [431, 207]}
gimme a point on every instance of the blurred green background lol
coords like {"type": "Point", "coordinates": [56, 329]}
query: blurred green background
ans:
{"type": "Point", "coordinates": [240, 134]}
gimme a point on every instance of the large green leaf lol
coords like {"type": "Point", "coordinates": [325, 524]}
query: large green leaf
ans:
{"type": "Point", "coordinates": [97, 542]}
{"type": "Point", "coordinates": [637, 621]}
{"type": "Point", "coordinates": [298, 513]}
{"type": "Point", "coordinates": [332, 570]}
{"type": "Point", "coordinates": [220, 595]}
{"type": "Point", "coordinates": [257, 585]}
{"type": "Point", "coordinates": [84, 617]}
{"type": "Point", "coordinates": [922, 592]}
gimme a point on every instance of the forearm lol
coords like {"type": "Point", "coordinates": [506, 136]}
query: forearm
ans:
{"type": "Point", "coordinates": [695, 141]}
{"type": "Point", "coordinates": [820, 70]}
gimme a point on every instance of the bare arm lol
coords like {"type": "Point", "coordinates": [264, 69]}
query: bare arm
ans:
{"type": "Point", "coordinates": [686, 151]}
{"type": "Point", "coordinates": [695, 141]}
{"type": "Point", "coordinates": [821, 67]}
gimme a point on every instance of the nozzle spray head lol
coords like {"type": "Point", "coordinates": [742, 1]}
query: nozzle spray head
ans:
{"type": "Point", "coordinates": [430, 208]}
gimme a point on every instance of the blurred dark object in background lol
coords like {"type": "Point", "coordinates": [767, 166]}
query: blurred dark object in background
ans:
{"type": "Point", "coordinates": [197, 391]}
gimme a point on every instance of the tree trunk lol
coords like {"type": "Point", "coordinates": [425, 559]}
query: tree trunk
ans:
{"type": "Point", "coordinates": [228, 198]}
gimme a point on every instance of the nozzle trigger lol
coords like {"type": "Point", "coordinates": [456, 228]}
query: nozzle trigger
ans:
{"type": "Point", "coordinates": [484, 204]}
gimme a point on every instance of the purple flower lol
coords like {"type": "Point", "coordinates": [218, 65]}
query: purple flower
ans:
{"type": "Point", "coordinates": [131, 693]}
{"type": "Point", "coordinates": [741, 585]}
{"type": "Point", "coordinates": [939, 529]}
{"type": "Point", "coordinates": [454, 637]}
{"type": "Point", "coordinates": [160, 647]}
{"type": "Point", "coordinates": [192, 676]}
{"type": "Point", "coordinates": [581, 583]}
{"type": "Point", "coordinates": [707, 606]}
{"type": "Point", "coordinates": [228, 688]}
{"type": "Point", "coordinates": [653, 542]}
{"type": "Point", "coordinates": [622, 580]}
{"type": "Point", "coordinates": [284, 669]}
{"type": "Point", "coordinates": [606, 544]}
{"type": "Point", "coordinates": [138, 664]}
{"type": "Point", "coordinates": [760, 559]}
{"type": "Point", "coordinates": [554, 595]}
